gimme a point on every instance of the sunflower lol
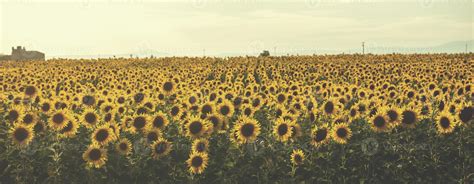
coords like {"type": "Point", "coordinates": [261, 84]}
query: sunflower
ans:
{"type": "Point", "coordinates": [465, 113]}
{"type": "Point", "coordinates": [217, 122]}
{"type": "Point", "coordinates": [206, 109]}
{"type": "Point", "coordinates": [95, 156]}
{"type": "Point", "coordinates": [45, 106]}
{"type": "Point", "coordinates": [139, 123]}
{"type": "Point", "coordinates": [297, 157]}
{"type": "Point", "coordinates": [197, 162]}
{"type": "Point", "coordinates": [330, 107]}
{"type": "Point", "coordinates": [59, 120]}
{"type": "Point", "coordinates": [247, 110]}
{"type": "Point", "coordinates": [14, 113]}
{"type": "Point", "coordinates": [29, 118]}
{"type": "Point", "coordinates": [282, 130]}
{"type": "Point", "coordinates": [200, 145]}
{"type": "Point", "coordinates": [247, 129]}
{"type": "Point", "coordinates": [89, 100]}
{"type": "Point", "coordinates": [341, 133]}
{"type": "Point", "coordinates": [21, 135]}
{"type": "Point", "coordinates": [159, 120]}
{"type": "Point", "coordinates": [161, 148]}
{"type": "Point", "coordinates": [153, 135]}
{"type": "Point", "coordinates": [168, 87]}
{"type": "Point", "coordinates": [103, 135]}
{"type": "Point", "coordinates": [379, 122]}
{"type": "Point", "coordinates": [320, 135]}
{"type": "Point", "coordinates": [409, 116]}
{"type": "Point", "coordinates": [124, 146]}
{"type": "Point", "coordinates": [89, 118]}
{"type": "Point", "coordinates": [225, 109]}
{"type": "Point", "coordinates": [196, 127]}
{"type": "Point", "coordinates": [30, 91]}
{"type": "Point", "coordinates": [445, 122]}
{"type": "Point", "coordinates": [70, 129]}
{"type": "Point", "coordinates": [176, 112]}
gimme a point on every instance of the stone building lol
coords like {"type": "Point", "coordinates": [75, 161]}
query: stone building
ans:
{"type": "Point", "coordinates": [21, 54]}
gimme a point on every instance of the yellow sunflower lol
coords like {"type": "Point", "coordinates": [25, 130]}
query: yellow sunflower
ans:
{"type": "Point", "coordinates": [124, 146]}
{"type": "Point", "coordinates": [197, 162]}
{"type": "Point", "coordinates": [200, 145]}
{"type": "Point", "coordinates": [379, 122]}
{"type": "Point", "coordinates": [21, 134]}
{"type": "Point", "coordinates": [445, 122]}
{"type": "Point", "coordinates": [282, 130]}
{"type": "Point", "coordinates": [297, 157]}
{"type": "Point", "coordinates": [95, 156]}
{"type": "Point", "coordinates": [103, 135]}
{"type": "Point", "coordinates": [161, 148]}
{"type": "Point", "coordinates": [59, 120]}
{"type": "Point", "coordinates": [320, 135]}
{"type": "Point", "coordinates": [247, 129]}
{"type": "Point", "coordinates": [341, 133]}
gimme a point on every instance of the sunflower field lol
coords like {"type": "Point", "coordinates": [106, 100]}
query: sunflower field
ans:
{"type": "Point", "coordinates": [291, 119]}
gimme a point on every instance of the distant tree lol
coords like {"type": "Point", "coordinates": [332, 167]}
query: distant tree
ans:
{"type": "Point", "coordinates": [265, 53]}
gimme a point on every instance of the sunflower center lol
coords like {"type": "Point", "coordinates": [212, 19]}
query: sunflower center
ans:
{"type": "Point", "coordinates": [139, 97]}
{"type": "Point", "coordinates": [225, 110]}
{"type": "Point", "coordinates": [123, 146]}
{"type": "Point", "coordinates": [379, 122]}
{"type": "Point", "coordinates": [21, 134]}
{"type": "Point", "coordinates": [45, 107]}
{"type": "Point", "coordinates": [67, 128]}
{"type": "Point", "coordinates": [30, 90]}
{"type": "Point", "coordinates": [201, 147]}
{"type": "Point", "coordinates": [13, 115]}
{"type": "Point", "coordinates": [95, 154]}
{"type": "Point", "coordinates": [108, 117]}
{"type": "Point", "coordinates": [466, 114]}
{"type": "Point", "coordinates": [174, 111]}
{"type": "Point", "coordinates": [321, 134]}
{"type": "Point", "coordinates": [58, 118]}
{"type": "Point", "coordinates": [329, 107]}
{"type": "Point", "coordinates": [409, 117]}
{"type": "Point", "coordinates": [247, 111]}
{"type": "Point", "coordinates": [28, 118]}
{"type": "Point", "coordinates": [256, 102]}
{"type": "Point", "coordinates": [90, 118]}
{"type": "Point", "coordinates": [393, 115]}
{"type": "Point", "coordinates": [214, 120]}
{"type": "Point", "coordinates": [197, 161]}
{"type": "Point", "coordinates": [341, 132]}
{"type": "Point", "coordinates": [282, 129]}
{"type": "Point", "coordinates": [195, 127]}
{"type": "Point", "coordinates": [88, 100]}
{"type": "Point", "coordinates": [152, 136]}
{"type": "Point", "coordinates": [444, 122]}
{"type": "Point", "coordinates": [160, 148]}
{"type": "Point", "coordinates": [206, 109]}
{"type": "Point", "coordinates": [247, 130]}
{"type": "Point", "coordinates": [139, 122]}
{"type": "Point", "coordinates": [158, 122]}
{"type": "Point", "coordinates": [168, 86]}
{"type": "Point", "coordinates": [353, 112]}
{"type": "Point", "coordinates": [298, 158]}
{"type": "Point", "coordinates": [102, 135]}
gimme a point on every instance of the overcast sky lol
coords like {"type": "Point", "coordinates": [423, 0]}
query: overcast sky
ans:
{"type": "Point", "coordinates": [220, 27]}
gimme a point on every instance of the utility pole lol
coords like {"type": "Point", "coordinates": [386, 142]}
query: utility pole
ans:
{"type": "Point", "coordinates": [363, 48]}
{"type": "Point", "coordinates": [203, 52]}
{"type": "Point", "coordinates": [275, 51]}
{"type": "Point", "coordinates": [466, 47]}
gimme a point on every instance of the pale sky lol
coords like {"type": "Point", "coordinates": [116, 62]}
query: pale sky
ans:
{"type": "Point", "coordinates": [75, 28]}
